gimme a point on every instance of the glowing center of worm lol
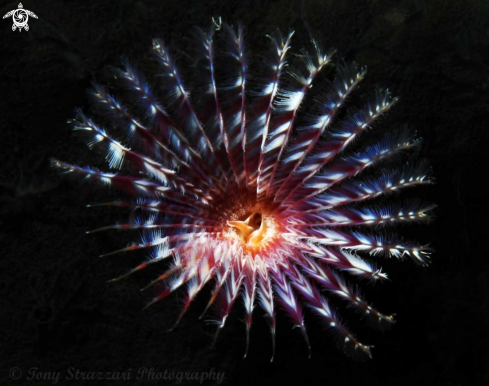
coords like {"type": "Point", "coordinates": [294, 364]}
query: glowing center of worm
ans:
{"type": "Point", "coordinates": [252, 230]}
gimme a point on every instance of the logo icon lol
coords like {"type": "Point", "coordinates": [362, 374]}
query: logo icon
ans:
{"type": "Point", "coordinates": [20, 17]}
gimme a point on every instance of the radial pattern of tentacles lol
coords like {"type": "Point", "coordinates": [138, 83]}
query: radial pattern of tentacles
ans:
{"type": "Point", "coordinates": [258, 184]}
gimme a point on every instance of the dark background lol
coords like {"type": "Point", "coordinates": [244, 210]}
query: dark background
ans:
{"type": "Point", "coordinates": [57, 309]}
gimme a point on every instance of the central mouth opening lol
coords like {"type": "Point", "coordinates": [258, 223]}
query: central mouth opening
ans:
{"type": "Point", "coordinates": [252, 230]}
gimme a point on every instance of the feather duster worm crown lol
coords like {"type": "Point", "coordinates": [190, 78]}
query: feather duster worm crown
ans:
{"type": "Point", "coordinates": [257, 184]}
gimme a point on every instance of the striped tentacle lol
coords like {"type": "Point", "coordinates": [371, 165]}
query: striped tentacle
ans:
{"type": "Point", "coordinates": [371, 243]}
{"type": "Point", "coordinates": [386, 215]}
{"type": "Point", "coordinates": [154, 239]}
{"type": "Point", "coordinates": [173, 269]}
{"type": "Point", "coordinates": [339, 138]}
{"type": "Point", "coordinates": [346, 341]}
{"type": "Point", "coordinates": [151, 225]}
{"type": "Point", "coordinates": [205, 89]}
{"type": "Point", "coordinates": [207, 100]}
{"type": "Point", "coordinates": [351, 263]}
{"type": "Point", "coordinates": [229, 293]}
{"type": "Point", "coordinates": [231, 253]}
{"type": "Point", "coordinates": [154, 221]}
{"type": "Point", "coordinates": [383, 183]}
{"type": "Point", "coordinates": [287, 297]}
{"type": "Point", "coordinates": [349, 76]}
{"type": "Point", "coordinates": [263, 105]}
{"type": "Point", "coordinates": [168, 208]}
{"type": "Point", "coordinates": [207, 267]}
{"type": "Point", "coordinates": [265, 297]}
{"type": "Point", "coordinates": [286, 106]}
{"type": "Point", "coordinates": [161, 253]}
{"type": "Point", "coordinates": [390, 145]}
{"type": "Point", "coordinates": [183, 109]}
{"type": "Point", "coordinates": [233, 93]}
{"type": "Point", "coordinates": [249, 294]}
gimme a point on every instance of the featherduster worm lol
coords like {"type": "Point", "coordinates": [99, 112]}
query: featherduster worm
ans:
{"type": "Point", "coordinates": [258, 184]}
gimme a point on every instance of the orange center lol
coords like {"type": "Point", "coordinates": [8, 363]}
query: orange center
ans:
{"type": "Point", "coordinates": [252, 230]}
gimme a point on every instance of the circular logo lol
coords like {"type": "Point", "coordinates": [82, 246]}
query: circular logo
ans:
{"type": "Point", "coordinates": [15, 373]}
{"type": "Point", "coordinates": [20, 18]}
